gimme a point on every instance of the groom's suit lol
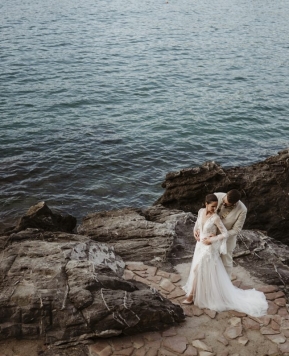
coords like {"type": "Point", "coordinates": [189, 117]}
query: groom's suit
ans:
{"type": "Point", "coordinates": [233, 219]}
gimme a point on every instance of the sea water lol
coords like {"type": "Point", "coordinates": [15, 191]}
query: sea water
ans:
{"type": "Point", "coordinates": [100, 99]}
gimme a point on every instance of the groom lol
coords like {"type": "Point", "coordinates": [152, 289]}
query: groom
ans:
{"type": "Point", "coordinates": [233, 214]}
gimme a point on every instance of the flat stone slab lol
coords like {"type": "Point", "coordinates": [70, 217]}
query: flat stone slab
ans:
{"type": "Point", "coordinates": [198, 344]}
{"type": "Point", "coordinates": [176, 344]}
{"type": "Point", "coordinates": [243, 340]}
{"type": "Point", "coordinates": [284, 347]}
{"type": "Point", "coordinates": [191, 351]}
{"type": "Point", "coordinates": [272, 308]}
{"type": "Point", "coordinates": [267, 289]}
{"type": "Point", "coordinates": [232, 332]}
{"type": "Point", "coordinates": [277, 339]}
{"type": "Point", "coordinates": [281, 302]}
{"type": "Point", "coordinates": [223, 340]}
{"type": "Point", "coordinates": [211, 313]}
{"type": "Point", "coordinates": [251, 324]}
{"type": "Point", "coordinates": [167, 285]}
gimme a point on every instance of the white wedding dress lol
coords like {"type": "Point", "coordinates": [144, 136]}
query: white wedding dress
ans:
{"type": "Point", "coordinates": [213, 288]}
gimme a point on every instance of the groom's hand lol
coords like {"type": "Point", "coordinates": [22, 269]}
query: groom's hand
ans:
{"type": "Point", "coordinates": [207, 241]}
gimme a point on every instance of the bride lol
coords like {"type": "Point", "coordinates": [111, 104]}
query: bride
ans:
{"type": "Point", "coordinates": [209, 285]}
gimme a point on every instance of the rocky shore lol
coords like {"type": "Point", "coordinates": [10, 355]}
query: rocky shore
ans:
{"type": "Point", "coordinates": [117, 274]}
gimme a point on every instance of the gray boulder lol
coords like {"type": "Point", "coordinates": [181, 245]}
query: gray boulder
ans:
{"type": "Point", "coordinates": [67, 289]}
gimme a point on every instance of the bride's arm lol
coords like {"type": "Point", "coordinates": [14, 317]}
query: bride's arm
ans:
{"type": "Point", "coordinates": [223, 231]}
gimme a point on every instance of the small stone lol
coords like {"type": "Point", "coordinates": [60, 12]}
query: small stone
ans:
{"type": "Point", "coordinates": [175, 277]}
{"type": "Point", "coordinates": [275, 326]}
{"type": "Point", "coordinates": [267, 289]}
{"type": "Point", "coordinates": [265, 320]}
{"type": "Point", "coordinates": [178, 292]}
{"type": "Point", "coordinates": [277, 319]}
{"type": "Point", "coordinates": [243, 340]}
{"type": "Point", "coordinates": [124, 352]}
{"type": "Point", "coordinates": [235, 321]}
{"type": "Point", "coordinates": [272, 296]}
{"type": "Point", "coordinates": [163, 352]}
{"type": "Point", "coordinates": [170, 332]}
{"type": "Point", "coordinates": [121, 343]}
{"type": "Point", "coordinates": [248, 323]}
{"type": "Point", "coordinates": [152, 352]}
{"type": "Point", "coordinates": [223, 340]}
{"type": "Point", "coordinates": [236, 313]}
{"type": "Point", "coordinates": [237, 283]}
{"type": "Point", "coordinates": [198, 336]}
{"type": "Point", "coordinates": [167, 285]}
{"type": "Point", "coordinates": [245, 287]}
{"type": "Point", "coordinates": [202, 346]}
{"type": "Point", "coordinates": [100, 349]}
{"type": "Point", "coordinates": [285, 332]}
{"type": "Point", "coordinates": [152, 336]}
{"type": "Point", "coordinates": [232, 332]}
{"type": "Point", "coordinates": [197, 311]}
{"type": "Point", "coordinates": [285, 324]}
{"type": "Point", "coordinates": [284, 347]}
{"type": "Point", "coordinates": [136, 266]}
{"type": "Point", "coordinates": [206, 353]}
{"type": "Point", "coordinates": [268, 331]}
{"type": "Point", "coordinates": [277, 339]}
{"type": "Point", "coordinates": [176, 344]}
{"type": "Point", "coordinates": [151, 271]}
{"type": "Point", "coordinates": [127, 274]}
{"type": "Point", "coordinates": [188, 310]}
{"type": "Point", "coordinates": [140, 352]}
{"type": "Point", "coordinates": [283, 312]}
{"type": "Point", "coordinates": [191, 351]}
{"type": "Point", "coordinates": [281, 302]}
{"type": "Point", "coordinates": [154, 344]}
{"type": "Point", "coordinates": [140, 279]}
{"type": "Point", "coordinates": [224, 353]}
{"type": "Point", "coordinates": [211, 313]}
{"type": "Point", "coordinates": [155, 279]}
{"type": "Point", "coordinates": [142, 274]}
{"type": "Point", "coordinates": [163, 274]}
{"type": "Point", "coordinates": [273, 308]}
{"type": "Point", "coordinates": [138, 342]}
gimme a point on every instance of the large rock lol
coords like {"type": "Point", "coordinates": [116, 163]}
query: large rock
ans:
{"type": "Point", "coordinates": [264, 187]}
{"type": "Point", "coordinates": [68, 288]}
{"type": "Point", "coordinates": [41, 217]}
{"type": "Point", "coordinates": [150, 235]}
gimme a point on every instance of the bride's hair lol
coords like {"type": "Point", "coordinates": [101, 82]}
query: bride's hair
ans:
{"type": "Point", "coordinates": [210, 198]}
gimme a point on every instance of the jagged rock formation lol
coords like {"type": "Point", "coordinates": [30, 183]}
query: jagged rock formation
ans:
{"type": "Point", "coordinates": [149, 235]}
{"type": "Point", "coordinates": [69, 288]}
{"type": "Point", "coordinates": [39, 216]}
{"type": "Point", "coordinates": [264, 187]}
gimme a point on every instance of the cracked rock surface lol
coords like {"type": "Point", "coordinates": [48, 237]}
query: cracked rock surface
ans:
{"type": "Point", "coordinates": [67, 288]}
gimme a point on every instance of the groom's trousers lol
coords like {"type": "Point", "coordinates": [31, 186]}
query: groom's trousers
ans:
{"type": "Point", "coordinates": [228, 258]}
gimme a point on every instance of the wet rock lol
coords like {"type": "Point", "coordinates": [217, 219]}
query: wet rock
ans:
{"type": "Point", "coordinates": [262, 185]}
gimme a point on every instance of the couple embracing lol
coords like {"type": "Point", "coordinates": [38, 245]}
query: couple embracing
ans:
{"type": "Point", "coordinates": [209, 284]}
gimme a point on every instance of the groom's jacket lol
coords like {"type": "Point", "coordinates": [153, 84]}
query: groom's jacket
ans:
{"type": "Point", "coordinates": [235, 219]}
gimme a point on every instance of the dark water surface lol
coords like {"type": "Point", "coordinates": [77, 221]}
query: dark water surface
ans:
{"type": "Point", "coordinates": [100, 99]}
